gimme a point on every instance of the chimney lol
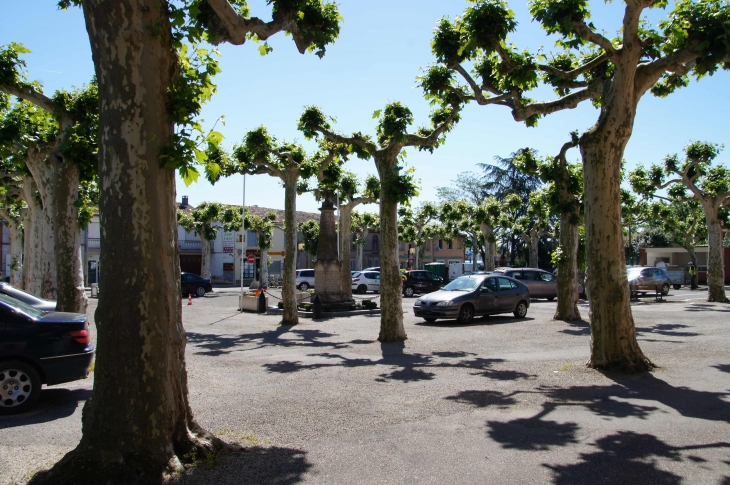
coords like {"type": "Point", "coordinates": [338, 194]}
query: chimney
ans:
{"type": "Point", "coordinates": [184, 204]}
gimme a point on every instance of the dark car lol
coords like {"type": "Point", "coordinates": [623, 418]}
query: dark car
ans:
{"type": "Point", "coordinates": [29, 298]}
{"type": "Point", "coordinates": [39, 348]}
{"type": "Point", "coordinates": [468, 296]}
{"type": "Point", "coordinates": [193, 284]}
{"type": "Point", "coordinates": [421, 282]}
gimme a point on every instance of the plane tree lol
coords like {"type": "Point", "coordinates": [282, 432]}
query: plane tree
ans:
{"type": "Point", "coordinates": [418, 226]}
{"type": "Point", "coordinates": [154, 73]}
{"type": "Point", "coordinates": [204, 221]}
{"type": "Point", "coordinates": [564, 198]}
{"type": "Point", "coordinates": [263, 226]}
{"type": "Point", "coordinates": [11, 210]}
{"type": "Point", "coordinates": [534, 225]}
{"type": "Point", "coordinates": [459, 220]}
{"type": "Point", "coordinates": [310, 237]}
{"type": "Point", "coordinates": [396, 185]}
{"type": "Point", "coordinates": [612, 73]}
{"type": "Point", "coordinates": [682, 220]}
{"type": "Point", "coordinates": [695, 177]}
{"type": "Point", "coordinates": [362, 224]}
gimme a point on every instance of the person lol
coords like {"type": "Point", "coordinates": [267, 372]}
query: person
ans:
{"type": "Point", "coordinates": [693, 276]}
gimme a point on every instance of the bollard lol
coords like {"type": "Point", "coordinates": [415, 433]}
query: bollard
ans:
{"type": "Point", "coordinates": [317, 307]}
{"type": "Point", "coordinates": [262, 302]}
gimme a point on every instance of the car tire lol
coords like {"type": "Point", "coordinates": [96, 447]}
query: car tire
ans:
{"type": "Point", "coordinates": [20, 386]}
{"type": "Point", "coordinates": [408, 292]}
{"type": "Point", "coordinates": [665, 289]}
{"type": "Point", "coordinates": [362, 289]}
{"type": "Point", "coordinates": [466, 313]}
{"type": "Point", "coordinates": [429, 319]}
{"type": "Point", "coordinates": [550, 298]}
{"type": "Point", "coordinates": [520, 310]}
{"type": "Point", "coordinates": [304, 286]}
{"type": "Point", "coordinates": [677, 287]}
{"type": "Point", "coordinates": [200, 291]}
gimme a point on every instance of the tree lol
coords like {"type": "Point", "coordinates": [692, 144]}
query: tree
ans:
{"type": "Point", "coordinates": [57, 140]}
{"type": "Point", "coordinates": [682, 220]}
{"type": "Point", "coordinates": [418, 227]}
{"type": "Point", "coordinates": [204, 221]}
{"type": "Point", "coordinates": [707, 184]}
{"type": "Point", "coordinates": [310, 236]}
{"type": "Point", "coordinates": [564, 196]}
{"type": "Point", "coordinates": [459, 219]}
{"type": "Point", "coordinates": [614, 74]}
{"type": "Point", "coordinates": [634, 215]}
{"type": "Point", "coordinates": [264, 229]}
{"type": "Point", "coordinates": [534, 225]}
{"type": "Point", "coordinates": [153, 76]}
{"type": "Point", "coordinates": [362, 224]}
{"type": "Point", "coordinates": [11, 209]}
{"type": "Point", "coordinates": [395, 187]}
{"type": "Point", "coordinates": [468, 186]}
{"type": "Point", "coordinates": [351, 196]}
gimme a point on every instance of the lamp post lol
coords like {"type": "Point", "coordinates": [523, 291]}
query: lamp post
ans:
{"type": "Point", "coordinates": [243, 230]}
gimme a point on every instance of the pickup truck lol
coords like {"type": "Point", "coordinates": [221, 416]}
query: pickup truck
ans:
{"type": "Point", "coordinates": [676, 275]}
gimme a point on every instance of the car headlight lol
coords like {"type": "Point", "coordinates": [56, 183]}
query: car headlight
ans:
{"type": "Point", "coordinates": [417, 303]}
{"type": "Point", "coordinates": [445, 303]}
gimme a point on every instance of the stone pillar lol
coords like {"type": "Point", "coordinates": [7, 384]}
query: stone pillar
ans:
{"type": "Point", "coordinates": [327, 281]}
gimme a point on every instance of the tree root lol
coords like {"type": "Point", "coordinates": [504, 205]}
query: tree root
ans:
{"type": "Point", "coordinates": [639, 365]}
{"type": "Point", "coordinates": [110, 467]}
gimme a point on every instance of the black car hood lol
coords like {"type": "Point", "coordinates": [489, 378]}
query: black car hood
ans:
{"type": "Point", "coordinates": [63, 317]}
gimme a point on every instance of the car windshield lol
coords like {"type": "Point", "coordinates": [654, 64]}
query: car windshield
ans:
{"type": "Point", "coordinates": [20, 294]}
{"type": "Point", "coordinates": [634, 273]}
{"type": "Point", "coordinates": [463, 284]}
{"type": "Point", "coordinates": [19, 305]}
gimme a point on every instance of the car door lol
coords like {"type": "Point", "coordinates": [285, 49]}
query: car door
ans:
{"type": "Point", "coordinates": [550, 285]}
{"type": "Point", "coordinates": [508, 295]}
{"type": "Point", "coordinates": [433, 282]}
{"type": "Point", "coordinates": [534, 283]}
{"type": "Point", "coordinates": [418, 281]}
{"type": "Point", "coordinates": [488, 296]}
{"type": "Point", "coordinates": [646, 279]}
{"type": "Point", "coordinates": [184, 284]}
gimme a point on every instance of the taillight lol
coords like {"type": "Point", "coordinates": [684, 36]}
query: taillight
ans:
{"type": "Point", "coordinates": [355, 280]}
{"type": "Point", "coordinates": [81, 336]}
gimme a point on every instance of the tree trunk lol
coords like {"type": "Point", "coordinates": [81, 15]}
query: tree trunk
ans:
{"type": "Point", "coordinates": [567, 309]}
{"type": "Point", "coordinates": [490, 246]}
{"type": "Point", "coordinates": [43, 177]}
{"type": "Point", "coordinates": [613, 334]}
{"type": "Point", "coordinates": [205, 257]}
{"type": "Point", "coordinates": [715, 264]}
{"type": "Point", "coordinates": [70, 294]}
{"type": "Point", "coordinates": [16, 252]}
{"type": "Point", "coordinates": [138, 424]}
{"type": "Point", "coordinates": [264, 277]}
{"type": "Point", "coordinates": [32, 239]}
{"type": "Point", "coordinates": [533, 243]}
{"type": "Point", "coordinates": [345, 245]}
{"type": "Point", "coordinates": [288, 286]}
{"type": "Point", "coordinates": [417, 257]}
{"type": "Point", "coordinates": [391, 316]}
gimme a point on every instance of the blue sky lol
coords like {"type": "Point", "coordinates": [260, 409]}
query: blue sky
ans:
{"type": "Point", "coordinates": [382, 46]}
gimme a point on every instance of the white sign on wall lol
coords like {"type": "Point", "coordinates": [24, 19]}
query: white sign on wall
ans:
{"type": "Point", "coordinates": [228, 241]}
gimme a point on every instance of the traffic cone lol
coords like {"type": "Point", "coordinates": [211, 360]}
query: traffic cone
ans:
{"type": "Point", "coordinates": [190, 299]}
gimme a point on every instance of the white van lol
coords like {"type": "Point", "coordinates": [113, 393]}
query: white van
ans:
{"type": "Point", "coordinates": [305, 279]}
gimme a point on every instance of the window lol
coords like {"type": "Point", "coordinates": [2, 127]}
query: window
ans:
{"type": "Point", "coordinates": [433, 277]}
{"type": "Point", "coordinates": [547, 277]}
{"type": "Point", "coordinates": [505, 284]}
{"type": "Point", "coordinates": [516, 275]}
{"type": "Point", "coordinates": [646, 273]}
{"type": "Point", "coordinates": [531, 276]}
{"type": "Point", "coordinates": [416, 275]}
{"type": "Point", "coordinates": [251, 239]}
{"type": "Point", "coordinates": [451, 245]}
{"type": "Point", "coordinates": [490, 285]}
{"type": "Point", "coordinates": [376, 243]}
{"type": "Point", "coordinates": [248, 269]}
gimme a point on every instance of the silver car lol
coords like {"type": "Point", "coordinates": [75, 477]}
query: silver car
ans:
{"type": "Point", "coordinates": [305, 279]}
{"type": "Point", "coordinates": [469, 296]}
{"type": "Point", "coordinates": [367, 280]}
{"type": "Point", "coordinates": [648, 279]}
{"type": "Point", "coordinates": [542, 284]}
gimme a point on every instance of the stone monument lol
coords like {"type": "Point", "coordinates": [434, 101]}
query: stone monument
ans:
{"type": "Point", "coordinates": [327, 280]}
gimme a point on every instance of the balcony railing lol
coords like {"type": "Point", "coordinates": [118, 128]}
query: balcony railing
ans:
{"type": "Point", "coordinates": [93, 243]}
{"type": "Point", "coordinates": [190, 245]}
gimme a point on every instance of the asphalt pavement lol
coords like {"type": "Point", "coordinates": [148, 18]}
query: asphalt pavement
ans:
{"type": "Point", "coordinates": [500, 400]}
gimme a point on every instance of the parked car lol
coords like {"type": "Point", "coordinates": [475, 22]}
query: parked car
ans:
{"type": "Point", "coordinates": [39, 348]}
{"type": "Point", "coordinates": [468, 296]}
{"type": "Point", "coordinates": [305, 279]}
{"type": "Point", "coordinates": [421, 282]}
{"type": "Point", "coordinates": [193, 284]}
{"type": "Point", "coordinates": [648, 279]}
{"type": "Point", "coordinates": [366, 280]}
{"type": "Point", "coordinates": [542, 284]}
{"type": "Point", "coordinates": [374, 268]}
{"type": "Point", "coordinates": [28, 298]}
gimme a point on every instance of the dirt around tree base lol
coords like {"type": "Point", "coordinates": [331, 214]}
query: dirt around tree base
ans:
{"type": "Point", "coordinates": [639, 365]}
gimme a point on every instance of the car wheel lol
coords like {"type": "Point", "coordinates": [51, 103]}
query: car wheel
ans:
{"type": "Point", "coordinates": [304, 286]}
{"type": "Point", "coordinates": [20, 387]}
{"type": "Point", "coordinates": [200, 291]}
{"type": "Point", "coordinates": [408, 292]}
{"type": "Point", "coordinates": [520, 310]}
{"type": "Point", "coordinates": [362, 289]}
{"type": "Point", "coordinates": [676, 287]}
{"type": "Point", "coordinates": [429, 319]}
{"type": "Point", "coordinates": [665, 289]}
{"type": "Point", "coordinates": [466, 314]}
{"type": "Point", "coordinates": [550, 298]}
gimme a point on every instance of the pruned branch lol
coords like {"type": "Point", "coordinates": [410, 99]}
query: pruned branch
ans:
{"type": "Point", "coordinates": [681, 62]}
{"type": "Point", "coordinates": [432, 138]}
{"type": "Point", "coordinates": [572, 74]}
{"type": "Point", "coordinates": [347, 140]}
{"type": "Point", "coordinates": [31, 95]}
{"type": "Point", "coordinates": [570, 101]}
{"type": "Point", "coordinates": [239, 27]}
{"type": "Point", "coordinates": [586, 33]}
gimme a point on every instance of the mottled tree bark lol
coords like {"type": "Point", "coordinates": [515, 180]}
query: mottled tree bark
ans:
{"type": "Point", "coordinates": [391, 316]}
{"type": "Point", "coordinates": [345, 245]}
{"type": "Point", "coordinates": [205, 257]}
{"type": "Point", "coordinates": [613, 334]}
{"type": "Point", "coordinates": [567, 308]}
{"type": "Point", "coordinates": [70, 293]}
{"type": "Point", "coordinates": [44, 219]}
{"type": "Point", "coordinates": [532, 242]}
{"type": "Point", "coordinates": [264, 277]}
{"type": "Point", "coordinates": [288, 287]}
{"type": "Point", "coordinates": [361, 249]}
{"type": "Point", "coordinates": [16, 249]}
{"type": "Point", "coordinates": [138, 424]}
{"type": "Point", "coordinates": [32, 240]}
{"type": "Point", "coordinates": [715, 264]}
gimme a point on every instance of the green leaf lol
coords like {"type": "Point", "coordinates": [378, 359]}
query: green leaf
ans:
{"type": "Point", "coordinates": [376, 113]}
{"type": "Point", "coordinates": [189, 175]}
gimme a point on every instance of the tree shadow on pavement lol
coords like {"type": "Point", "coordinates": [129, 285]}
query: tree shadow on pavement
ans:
{"type": "Point", "coordinates": [52, 404]}
{"type": "Point", "coordinates": [577, 328]}
{"type": "Point", "coordinates": [666, 329]}
{"type": "Point", "coordinates": [213, 344]}
{"type": "Point", "coordinates": [534, 433]}
{"type": "Point", "coordinates": [722, 367]}
{"type": "Point", "coordinates": [254, 465]}
{"type": "Point", "coordinates": [485, 398]}
{"type": "Point", "coordinates": [625, 457]}
{"type": "Point", "coordinates": [703, 307]}
{"type": "Point", "coordinates": [477, 322]}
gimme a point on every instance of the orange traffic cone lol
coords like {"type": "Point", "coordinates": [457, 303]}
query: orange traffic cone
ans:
{"type": "Point", "coordinates": [190, 299]}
